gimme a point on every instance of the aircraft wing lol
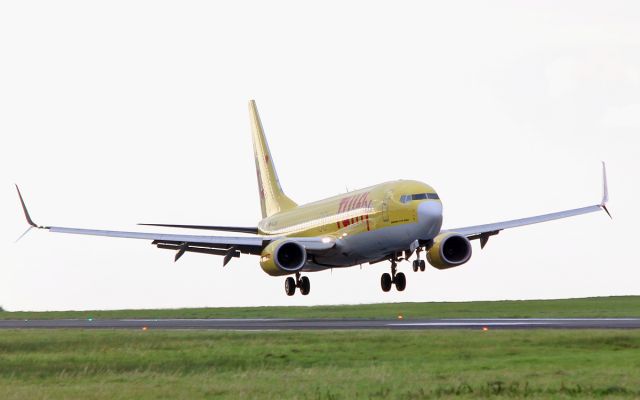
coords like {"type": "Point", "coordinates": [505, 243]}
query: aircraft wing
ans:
{"type": "Point", "coordinates": [227, 246]}
{"type": "Point", "coordinates": [483, 232]}
{"type": "Point", "coordinates": [250, 243]}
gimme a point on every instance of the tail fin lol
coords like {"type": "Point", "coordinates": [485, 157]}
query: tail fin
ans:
{"type": "Point", "coordinates": [272, 198]}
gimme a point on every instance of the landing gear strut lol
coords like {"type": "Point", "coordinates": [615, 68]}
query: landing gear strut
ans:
{"type": "Point", "coordinates": [387, 280]}
{"type": "Point", "coordinates": [290, 285]}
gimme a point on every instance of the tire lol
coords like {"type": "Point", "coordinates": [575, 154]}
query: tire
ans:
{"type": "Point", "coordinates": [422, 265]}
{"type": "Point", "coordinates": [290, 286]}
{"type": "Point", "coordinates": [416, 265]}
{"type": "Point", "coordinates": [385, 282]}
{"type": "Point", "coordinates": [305, 286]}
{"type": "Point", "coordinates": [401, 281]}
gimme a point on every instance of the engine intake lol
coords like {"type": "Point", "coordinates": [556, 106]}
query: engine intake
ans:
{"type": "Point", "coordinates": [449, 250]}
{"type": "Point", "coordinates": [283, 257]}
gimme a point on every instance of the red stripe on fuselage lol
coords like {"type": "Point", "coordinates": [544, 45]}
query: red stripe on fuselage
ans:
{"type": "Point", "coordinates": [348, 206]}
{"type": "Point", "coordinates": [358, 204]}
{"type": "Point", "coordinates": [341, 208]}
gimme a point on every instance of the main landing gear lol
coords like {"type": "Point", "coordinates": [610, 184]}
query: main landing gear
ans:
{"type": "Point", "coordinates": [418, 264]}
{"type": "Point", "coordinates": [386, 281]}
{"type": "Point", "coordinates": [290, 285]}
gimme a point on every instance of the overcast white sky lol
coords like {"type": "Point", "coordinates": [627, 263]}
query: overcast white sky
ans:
{"type": "Point", "coordinates": [113, 113]}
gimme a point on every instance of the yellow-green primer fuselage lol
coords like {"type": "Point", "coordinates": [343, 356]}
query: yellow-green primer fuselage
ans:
{"type": "Point", "coordinates": [362, 222]}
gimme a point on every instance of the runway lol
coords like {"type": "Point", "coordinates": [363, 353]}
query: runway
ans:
{"type": "Point", "coordinates": [325, 324]}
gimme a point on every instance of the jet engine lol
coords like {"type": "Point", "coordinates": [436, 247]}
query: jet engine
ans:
{"type": "Point", "coordinates": [283, 257]}
{"type": "Point", "coordinates": [449, 250]}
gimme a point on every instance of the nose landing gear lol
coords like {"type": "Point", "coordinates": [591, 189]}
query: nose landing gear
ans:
{"type": "Point", "coordinates": [290, 285]}
{"type": "Point", "coordinates": [399, 279]}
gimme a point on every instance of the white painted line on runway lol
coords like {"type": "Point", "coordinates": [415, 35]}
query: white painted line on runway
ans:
{"type": "Point", "coordinates": [506, 323]}
{"type": "Point", "coordinates": [542, 319]}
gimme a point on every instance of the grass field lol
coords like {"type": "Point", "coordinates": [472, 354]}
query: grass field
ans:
{"type": "Point", "coordinates": [622, 306]}
{"type": "Point", "coordinates": [38, 364]}
{"type": "Point", "coordinates": [153, 364]}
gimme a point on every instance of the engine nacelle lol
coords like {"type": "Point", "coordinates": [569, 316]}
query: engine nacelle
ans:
{"type": "Point", "coordinates": [283, 257]}
{"type": "Point", "coordinates": [449, 250]}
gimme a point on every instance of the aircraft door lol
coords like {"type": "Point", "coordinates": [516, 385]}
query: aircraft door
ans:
{"type": "Point", "coordinates": [385, 207]}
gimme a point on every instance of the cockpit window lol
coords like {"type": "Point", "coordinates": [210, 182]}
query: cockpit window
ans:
{"type": "Point", "coordinates": [405, 198]}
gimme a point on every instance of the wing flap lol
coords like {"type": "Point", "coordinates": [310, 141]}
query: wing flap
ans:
{"type": "Point", "coordinates": [239, 229]}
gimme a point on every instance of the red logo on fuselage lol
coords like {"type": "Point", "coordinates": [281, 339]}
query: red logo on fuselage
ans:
{"type": "Point", "coordinates": [353, 203]}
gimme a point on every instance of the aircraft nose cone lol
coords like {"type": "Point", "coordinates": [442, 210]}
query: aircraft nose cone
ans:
{"type": "Point", "coordinates": [430, 218]}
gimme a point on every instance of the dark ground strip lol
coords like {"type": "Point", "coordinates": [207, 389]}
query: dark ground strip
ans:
{"type": "Point", "coordinates": [323, 324]}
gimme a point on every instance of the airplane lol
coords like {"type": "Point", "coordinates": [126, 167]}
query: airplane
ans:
{"type": "Point", "coordinates": [390, 221]}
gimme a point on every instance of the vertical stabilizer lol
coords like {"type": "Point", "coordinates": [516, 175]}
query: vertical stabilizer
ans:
{"type": "Point", "coordinates": [272, 198]}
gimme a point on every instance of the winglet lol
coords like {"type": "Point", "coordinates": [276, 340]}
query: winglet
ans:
{"type": "Point", "coordinates": [605, 190]}
{"type": "Point", "coordinates": [26, 212]}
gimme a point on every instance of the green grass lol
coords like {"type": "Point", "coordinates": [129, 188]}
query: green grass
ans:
{"type": "Point", "coordinates": [104, 364]}
{"type": "Point", "coordinates": [622, 306]}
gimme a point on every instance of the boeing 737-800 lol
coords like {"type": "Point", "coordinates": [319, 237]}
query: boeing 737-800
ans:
{"type": "Point", "coordinates": [391, 222]}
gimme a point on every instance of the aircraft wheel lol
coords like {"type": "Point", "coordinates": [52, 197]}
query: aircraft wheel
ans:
{"type": "Point", "coordinates": [290, 286]}
{"type": "Point", "coordinates": [385, 282]}
{"type": "Point", "coordinates": [305, 286]}
{"type": "Point", "coordinates": [400, 281]}
{"type": "Point", "coordinates": [422, 265]}
{"type": "Point", "coordinates": [416, 265]}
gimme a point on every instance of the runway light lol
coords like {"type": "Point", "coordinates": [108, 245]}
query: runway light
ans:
{"type": "Point", "coordinates": [485, 328]}
{"type": "Point", "coordinates": [144, 328]}
{"type": "Point", "coordinates": [400, 316]}
{"type": "Point", "coordinates": [90, 319]}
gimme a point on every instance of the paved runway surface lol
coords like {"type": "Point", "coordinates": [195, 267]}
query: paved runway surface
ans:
{"type": "Point", "coordinates": [317, 324]}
